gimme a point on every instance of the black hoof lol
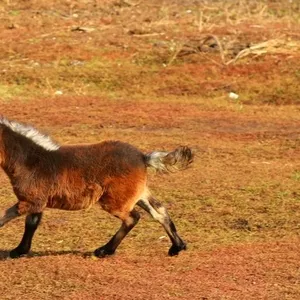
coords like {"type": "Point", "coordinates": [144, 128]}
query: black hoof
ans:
{"type": "Point", "coordinates": [16, 253]}
{"type": "Point", "coordinates": [174, 250]}
{"type": "Point", "coordinates": [102, 252]}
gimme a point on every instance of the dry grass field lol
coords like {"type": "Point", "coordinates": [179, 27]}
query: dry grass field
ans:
{"type": "Point", "coordinates": [159, 74]}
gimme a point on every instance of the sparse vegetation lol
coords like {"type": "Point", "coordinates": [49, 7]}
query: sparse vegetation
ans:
{"type": "Point", "coordinates": [159, 74]}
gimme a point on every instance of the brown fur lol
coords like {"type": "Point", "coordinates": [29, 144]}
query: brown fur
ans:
{"type": "Point", "coordinates": [82, 176]}
{"type": "Point", "coordinates": [110, 173]}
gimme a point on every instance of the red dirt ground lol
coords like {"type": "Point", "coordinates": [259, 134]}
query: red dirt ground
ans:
{"type": "Point", "coordinates": [237, 207]}
{"type": "Point", "coordinates": [261, 271]}
{"type": "Point", "coordinates": [253, 270]}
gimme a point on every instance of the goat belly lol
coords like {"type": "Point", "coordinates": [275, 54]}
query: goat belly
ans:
{"type": "Point", "coordinates": [76, 200]}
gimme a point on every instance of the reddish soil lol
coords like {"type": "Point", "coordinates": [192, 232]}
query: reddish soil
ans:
{"type": "Point", "coordinates": [253, 270]}
{"type": "Point", "coordinates": [123, 73]}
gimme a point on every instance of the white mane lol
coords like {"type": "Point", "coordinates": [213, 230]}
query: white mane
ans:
{"type": "Point", "coordinates": [31, 133]}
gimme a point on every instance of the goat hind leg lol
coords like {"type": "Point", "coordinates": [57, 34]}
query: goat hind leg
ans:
{"type": "Point", "coordinates": [159, 213]}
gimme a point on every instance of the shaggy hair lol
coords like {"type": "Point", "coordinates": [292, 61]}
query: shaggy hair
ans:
{"type": "Point", "coordinates": [31, 133]}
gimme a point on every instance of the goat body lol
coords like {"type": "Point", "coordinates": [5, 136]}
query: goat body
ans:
{"type": "Point", "coordinates": [111, 173]}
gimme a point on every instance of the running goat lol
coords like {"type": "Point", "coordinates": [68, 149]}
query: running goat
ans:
{"type": "Point", "coordinates": [111, 173]}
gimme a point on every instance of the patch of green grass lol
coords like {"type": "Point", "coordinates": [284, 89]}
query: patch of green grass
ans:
{"type": "Point", "coordinates": [88, 77]}
{"type": "Point", "coordinates": [14, 12]}
{"type": "Point", "coordinates": [278, 91]}
{"type": "Point", "coordinates": [8, 92]}
{"type": "Point", "coordinates": [296, 175]}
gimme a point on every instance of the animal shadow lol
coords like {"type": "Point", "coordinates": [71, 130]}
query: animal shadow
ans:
{"type": "Point", "coordinates": [4, 254]}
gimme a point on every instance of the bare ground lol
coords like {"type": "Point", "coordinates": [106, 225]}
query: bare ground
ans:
{"type": "Point", "coordinates": [238, 207]}
{"type": "Point", "coordinates": [252, 271]}
{"type": "Point", "coordinates": [263, 260]}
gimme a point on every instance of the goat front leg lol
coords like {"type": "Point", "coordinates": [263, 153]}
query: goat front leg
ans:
{"type": "Point", "coordinates": [10, 214]}
{"type": "Point", "coordinates": [31, 224]}
{"type": "Point", "coordinates": [33, 218]}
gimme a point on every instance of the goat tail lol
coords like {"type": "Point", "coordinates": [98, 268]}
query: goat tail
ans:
{"type": "Point", "coordinates": [166, 162]}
